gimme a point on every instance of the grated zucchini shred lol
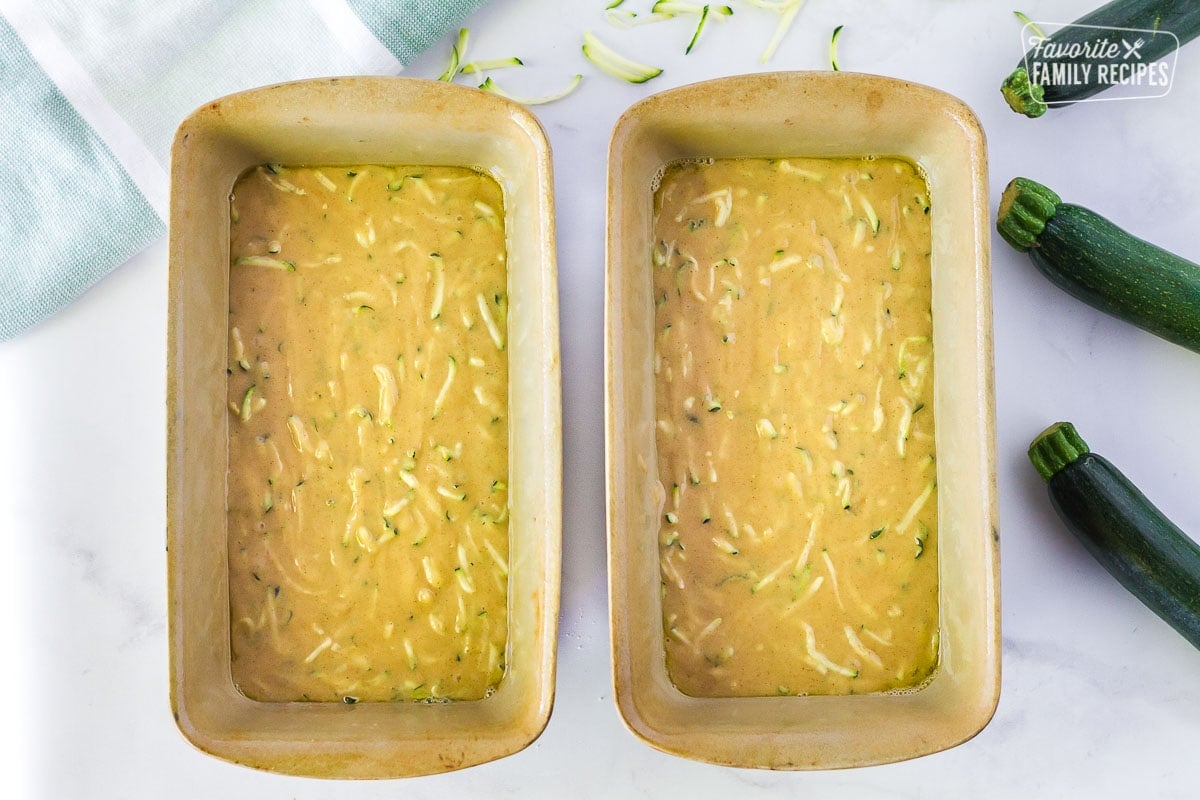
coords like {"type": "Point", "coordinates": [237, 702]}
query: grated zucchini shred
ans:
{"type": "Point", "coordinates": [615, 64]}
{"type": "Point", "coordinates": [490, 86]}
{"type": "Point", "coordinates": [833, 63]}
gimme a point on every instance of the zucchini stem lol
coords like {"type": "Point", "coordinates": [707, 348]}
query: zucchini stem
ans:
{"type": "Point", "coordinates": [1023, 96]}
{"type": "Point", "coordinates": [1025, 207]}
{"type": "Point", "coordinates": [1055, 448]}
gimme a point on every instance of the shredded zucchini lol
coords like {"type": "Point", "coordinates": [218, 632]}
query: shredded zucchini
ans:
{"type": "Point", "coordinates": [672, 7]}
{"type": "Point", "coordinates": [1033, 26]}
{"type": "Point", "coordinates": [699, 28]}
{"type": "Point", "coordinates": [264, 261]}
{"type": "Point", "coordinates": [490, 64]}
{"type": "Point", "coordinates": [620, 18]}
{"type": "Point", "coordinates": [869, 209]}
{"type": "Point", "coordinates": [833, 63]}
{"type": "Point", "coordinates": [451, 370]}
{"type": "Point", "coordinates": [247, 408]}
{"type": "Point", "coordinates": [490, 86]}
{"type": "Point", "coordinates": [615, 64]}
{"type": "Point", "coordinates": [459, 66]}
{"type": "Point", "coordinates": [457, 52]}
{"type": "Point", "coordinates": [669, 9]}
{"type": "Point", "coordinates": [787, 10]}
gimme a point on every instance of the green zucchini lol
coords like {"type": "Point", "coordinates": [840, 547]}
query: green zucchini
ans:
{"type": "Point", "coordinates": [1180, 17]}
{"type": "Point", "coordinates": [1152, 558]}
{"type": "Point", "coordinates": [1102, 265]}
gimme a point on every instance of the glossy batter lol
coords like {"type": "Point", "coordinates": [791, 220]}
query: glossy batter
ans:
{"type": "Point", "coordinates": [794, 368]}
{"type": "Point", "coordinates": [368, 434]}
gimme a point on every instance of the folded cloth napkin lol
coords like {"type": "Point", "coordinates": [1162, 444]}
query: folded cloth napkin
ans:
{"type": "Point", "coordinates": [91, 92]}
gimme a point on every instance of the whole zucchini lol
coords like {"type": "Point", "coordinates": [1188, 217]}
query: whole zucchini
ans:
{"type": "Point", "coordinates": [1180, 17]}
{"type": "Point", "coordinates": [1102, 265]}
{"type": "Point", "coordinates": [1122, 529]}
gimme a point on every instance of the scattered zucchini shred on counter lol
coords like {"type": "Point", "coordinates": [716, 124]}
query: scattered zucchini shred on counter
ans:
{"type": "Point", "coordinates": [621, 18]}
{"type": "Point", "coordinates": [1106, 267]}
{"type": "Point", "coordinates": [672, 8]}
{"type": "Point", "coordinates": [787, 11]}
{"type": "Point", "coordinates": [490, 86]}
{"type": "Point", "coordinates": [833, 60]}
{"type": "Point", "coordinates": [457, 52]}
{"type": "Point", "coordinates": [663, 10]}
{"type": "Point", "coordinates": [487, 65]}
{"type": "Point", "coordinates": [1151, 557]}
{"type": "Point", "coordinates": [460, 66]}
{"type": "Point", "coordinates": [1028, 95]}
{"type": "Point", "coordinates": [1033, 26]}
{"type": "Point", "coordinates": [615, 64]}
{"type": "Point", "coordinates": [720, 11]}
{"type": "Point", "coordinates": [699, 28]}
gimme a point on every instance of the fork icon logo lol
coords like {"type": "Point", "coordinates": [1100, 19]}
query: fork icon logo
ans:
{"type": "Point", "coordinates": [1132, 50]}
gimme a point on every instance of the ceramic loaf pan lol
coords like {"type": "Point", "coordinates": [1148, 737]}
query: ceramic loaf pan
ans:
{"type": "Point", "coordinates": [808, 114]}
{"type": "Point", "coordinates": [356, 121]}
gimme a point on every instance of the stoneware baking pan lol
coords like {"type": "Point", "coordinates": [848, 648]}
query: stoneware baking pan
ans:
{"type": "Point", "coordinates": [788, 115]}
{"type": "Point", "coordinates": [349, 122]}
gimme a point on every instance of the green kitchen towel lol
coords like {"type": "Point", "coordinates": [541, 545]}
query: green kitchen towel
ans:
{"type": "Point", "coordinates": [91, 92]}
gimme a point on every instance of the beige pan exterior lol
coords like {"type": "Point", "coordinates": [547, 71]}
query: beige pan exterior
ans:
{"type": "Point", "coordinates": [356, 121]}
{"type": "Point", "coordinates": [809, 114]}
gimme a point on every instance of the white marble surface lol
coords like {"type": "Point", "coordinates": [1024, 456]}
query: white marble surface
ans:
{"type": "Point", "coordinates": [1099, 697]}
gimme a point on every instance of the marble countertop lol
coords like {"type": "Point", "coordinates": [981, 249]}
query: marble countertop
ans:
{"type": "Point", "coordinates": [1100, 698]}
